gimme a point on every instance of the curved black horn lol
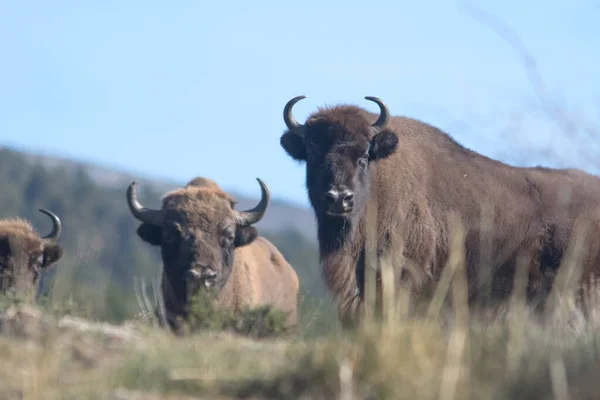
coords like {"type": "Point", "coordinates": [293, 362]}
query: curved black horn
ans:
{"type": "Point", "coordinates": [384, 114]}
{"type": "Point", "coordinates": [252, 216]}
{"type": "Point", "coordinates": [141, 213]}
{"type": "Point", "coordinates": [54, 235]}
{"type": "Point", "coordinates": [289, 119]}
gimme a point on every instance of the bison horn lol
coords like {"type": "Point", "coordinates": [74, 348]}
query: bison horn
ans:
{"type": "Point", "coordinates": [249, 217]}
{"type": "Point", "coordinates": [384, 115]}
{"type": "Point", "coordinates": [141, 213]}
{"type": "Point", "coordinates": [289, 119]}
{"type": "Point", "coordinates": [54, 235]}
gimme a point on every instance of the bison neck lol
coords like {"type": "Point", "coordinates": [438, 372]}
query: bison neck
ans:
{"type": "Point", "coordinates": [341, 244]}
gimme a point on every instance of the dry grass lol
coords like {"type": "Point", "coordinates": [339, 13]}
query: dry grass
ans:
{"type": "Point", "coordinates": [419, 359]}
{"type": "Point", "coordinates": [446, 351]}
{"type": "Point", "coordinates": [443, 353]}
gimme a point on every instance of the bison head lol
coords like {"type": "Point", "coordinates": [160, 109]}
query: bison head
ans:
{"type": "Point", "coordinates": [197, 229]}
{"type": "Point", "coordinates": [338, 144]}
{"type": "Point", "coordinates": [24, 254]}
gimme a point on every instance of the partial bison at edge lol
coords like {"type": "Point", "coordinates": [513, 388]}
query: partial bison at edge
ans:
{"type": "Point", "coordinates": [419, 175]}
{"type": "Point", "coordinates": [206, 244]}
{"type": "Point", "coordinates": [24, 254]}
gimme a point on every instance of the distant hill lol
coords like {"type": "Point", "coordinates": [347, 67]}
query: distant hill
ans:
{"type": "Point", "coordinates": [280, 216]}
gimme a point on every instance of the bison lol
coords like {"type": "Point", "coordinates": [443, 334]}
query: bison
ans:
{"type": "Point", "coordinates": [24, 254]}
{"type": "Point", "coordinates": [208, 245]}
{"type": "Point", "coordinates": [418, 175]}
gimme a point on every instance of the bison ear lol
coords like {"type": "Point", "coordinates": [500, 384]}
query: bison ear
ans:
{"type": "Point", "coordinates": [150, 233]}
{"type": "Point", "coordinates": [245, 235]}
{"type": "Point", "coordinates": [294, 146]}
{"type": "Point", "coordinates": [52, 253]}
{"type": "Point", "coordinates": [383, 145]}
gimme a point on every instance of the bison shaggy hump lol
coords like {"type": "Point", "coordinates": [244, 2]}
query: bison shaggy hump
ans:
{"type": "Point", "coordinates": [206, 244]}
{"type": "Point", "coordinates": [24, 253]}
{"type": "Point", "coordinates": [415, 176]}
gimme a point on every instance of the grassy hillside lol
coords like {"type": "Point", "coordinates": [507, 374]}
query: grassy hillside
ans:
{"type": "Point", "coordinates": [103, 253]}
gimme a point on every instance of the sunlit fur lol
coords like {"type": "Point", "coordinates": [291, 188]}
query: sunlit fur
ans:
{"type": "Point", "coordinates": [23, 256]}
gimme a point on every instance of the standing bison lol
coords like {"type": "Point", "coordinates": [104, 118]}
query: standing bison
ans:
{"type": "Point", "coordinates": [207, 244]}
{"type": "Point", "coordinates": [24, 254]}
{"type": "Point", "coordinates": [418, 176]}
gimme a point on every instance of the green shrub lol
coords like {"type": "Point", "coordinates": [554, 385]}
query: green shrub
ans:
{"type": "Point", "coordinates": [256, 322]}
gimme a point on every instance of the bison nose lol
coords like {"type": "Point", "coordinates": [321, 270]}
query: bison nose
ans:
{"type": "Point", "coordinates": [193, 274]}
{"type": "Point", "coordinates": [332, 195]}
{"type": "Point", "coordinates": [342, 194]}
{"type": "Point", "coordinates": [347, 196]}
{"type": "Point", "coordinates": [209, 275]}
{"type": "Point", "coordinates": [339, 200]}
{"type": "Point", "coordinates": [205, 276]}
{"type": "Point", "coordinates": [347, 200]}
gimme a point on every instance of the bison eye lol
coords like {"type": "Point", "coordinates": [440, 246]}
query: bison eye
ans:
{"type": "Point", "coordinates": [364, 160]}
{"type": "Point", "coordinates": [36, 261]}
{"type": "Point", "coordinates": [226, 239]}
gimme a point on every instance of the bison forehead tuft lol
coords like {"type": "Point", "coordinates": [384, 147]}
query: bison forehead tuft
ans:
{"type": "Point", "coordinates": [201, 205]}
{"type": "Point", "coordinates": [19, 232]}
{"type": "Point", "coordinates": [18, 228]}
{"type": "Point", "coordinates": [346, 123]}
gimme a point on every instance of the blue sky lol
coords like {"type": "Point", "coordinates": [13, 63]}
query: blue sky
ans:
{"type": "Point", "coordinates": [180, 89]}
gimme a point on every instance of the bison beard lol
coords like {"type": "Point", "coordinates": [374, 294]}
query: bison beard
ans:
{"type": "Point", "coordinates": [419, 175]}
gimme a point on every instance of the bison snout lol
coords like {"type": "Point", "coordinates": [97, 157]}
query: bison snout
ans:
{"type": "Point", "coordinates": [209, 279]}
{"type": "Point", "coordinates": [202, 276]}
{"type": "Point", "coordinates": [339, 201]}
{"type": "Point", "coordinates": [193, 274]}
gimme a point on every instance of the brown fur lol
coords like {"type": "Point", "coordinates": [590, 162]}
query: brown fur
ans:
{"type": "Point", "coordinates": [428, 176]}
{"type": "Point", "coordinates": [261, 275]}
{"type": "Point", "coordinates": [22, 255]}
{"type": "Point", "coordinates": [255, 273]}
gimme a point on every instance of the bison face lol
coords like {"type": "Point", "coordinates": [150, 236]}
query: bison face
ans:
{"type": "Point", "coordinates": [197, 249]}
{"type": "Point", "coordinates": [337, 146]}
{"type": "Point", "coordinates": [198, 230]}
{"type": "Point", "coordinates": [24, 254]}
